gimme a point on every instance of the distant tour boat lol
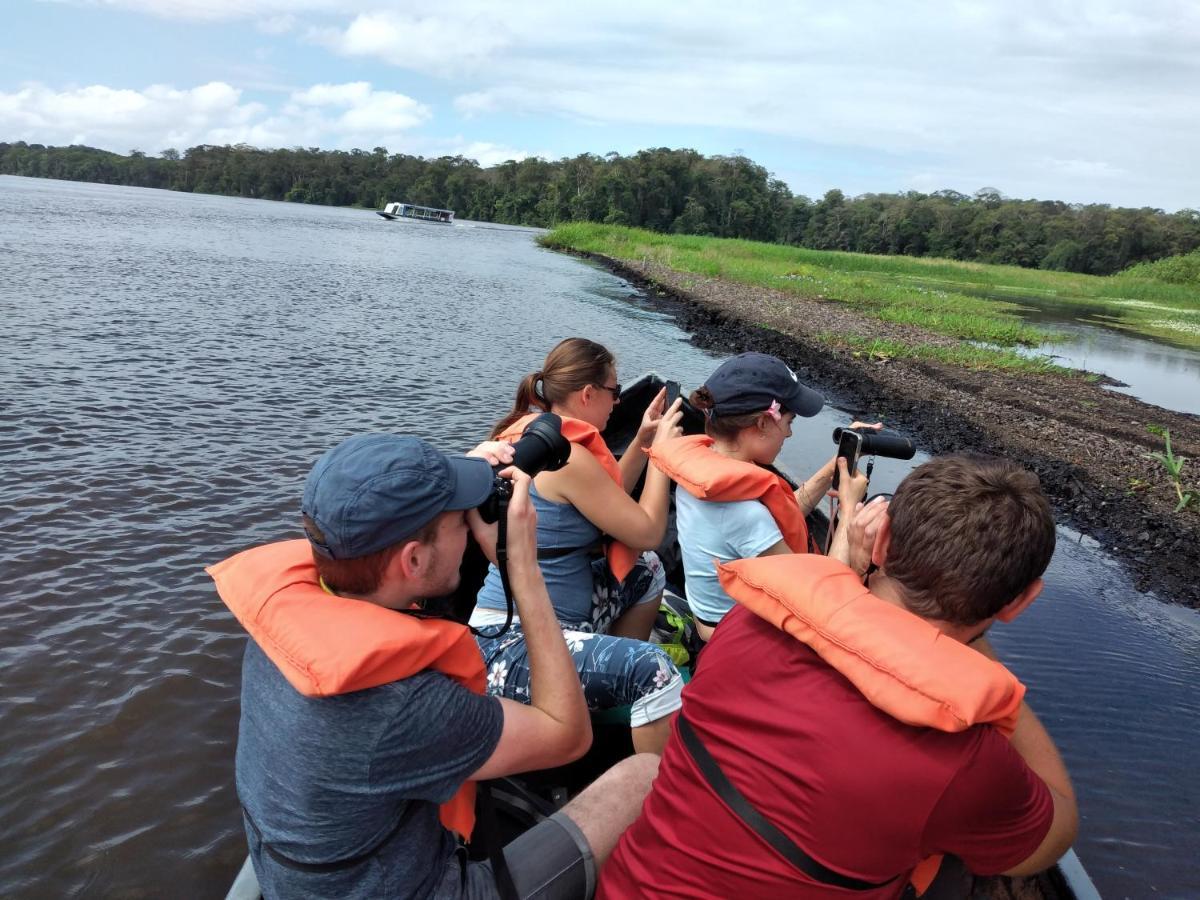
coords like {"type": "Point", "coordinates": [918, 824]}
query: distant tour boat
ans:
{"type": "Point", "coordinates": [422, 213]}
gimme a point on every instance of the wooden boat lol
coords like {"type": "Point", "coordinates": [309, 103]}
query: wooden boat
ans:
{"type": "Point", "coordinates": [418, 213]}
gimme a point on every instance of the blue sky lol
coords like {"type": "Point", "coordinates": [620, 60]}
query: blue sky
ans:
{"type": "Point", "coordinates": [1080, 101]}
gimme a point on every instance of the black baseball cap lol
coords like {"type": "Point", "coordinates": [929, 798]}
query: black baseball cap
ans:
{"type": "Point", "coordinates": [751, 382]}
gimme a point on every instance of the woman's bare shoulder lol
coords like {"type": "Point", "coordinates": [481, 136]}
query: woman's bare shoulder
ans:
{"type": "Point", "coordinates": [581, 471]}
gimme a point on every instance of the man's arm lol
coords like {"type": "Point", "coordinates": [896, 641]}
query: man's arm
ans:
{"type": "Point", "coordinates": [554, 728]}
{"type": "Point", "coordinates": [1033, 744]}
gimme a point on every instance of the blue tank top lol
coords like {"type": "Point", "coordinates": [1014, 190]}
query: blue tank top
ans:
{"type": "Point", "coordinates": [568, 578]}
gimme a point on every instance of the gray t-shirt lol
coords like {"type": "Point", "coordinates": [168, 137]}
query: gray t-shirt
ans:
{"type": "Point", "coordinates": [326, 779]}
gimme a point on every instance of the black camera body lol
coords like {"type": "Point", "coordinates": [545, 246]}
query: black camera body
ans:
{"type": "Point", "coordinates": [854, 443]}
{"type": "Point", "coordinates": [542, 448]}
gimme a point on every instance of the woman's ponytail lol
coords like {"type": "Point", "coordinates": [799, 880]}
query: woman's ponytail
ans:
{"type": "Point", "coordinates": [527, 397]}
{"type": "Point", "coordinates": [572, 365]}
{"type": "Point", "coordinates": [702, 399]}
{"type": "Point", "coordinates": [720, 427]}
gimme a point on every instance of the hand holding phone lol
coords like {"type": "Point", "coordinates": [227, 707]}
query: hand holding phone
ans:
{"type": "Point", "coordinates": [849, 448]}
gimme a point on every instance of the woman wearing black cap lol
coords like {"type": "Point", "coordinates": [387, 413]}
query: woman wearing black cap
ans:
{"type": "Point", "coordinates": [731, 507]}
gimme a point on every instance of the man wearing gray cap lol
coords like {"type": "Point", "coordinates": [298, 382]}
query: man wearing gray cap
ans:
{"type": "Point", "coordinates": [364, 721]}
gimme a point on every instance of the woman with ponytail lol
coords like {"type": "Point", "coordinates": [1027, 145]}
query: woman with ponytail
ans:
{"type": "Point", "coordinates": [730, 506]}
{"type": "Point", "coordinates": [606, 603]}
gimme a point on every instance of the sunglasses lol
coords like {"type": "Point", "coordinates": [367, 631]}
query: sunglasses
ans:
{"type": "Point", "coordinates": [615, 390]}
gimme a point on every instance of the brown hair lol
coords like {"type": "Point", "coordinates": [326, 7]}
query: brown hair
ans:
{"type": "Point", "coordinates": [572, 365]}
{"type": "Point", "coordinates": [362, 575]}
{"type": "Point", "coordinates": [969, 533]}
{"type": "Point", "coordinates": [725, 428]}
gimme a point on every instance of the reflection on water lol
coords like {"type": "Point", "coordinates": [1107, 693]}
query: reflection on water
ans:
{"type": "Point", "coordinates": [174, 365]}
{"type": "Point", "coordinates": [1154, 372]}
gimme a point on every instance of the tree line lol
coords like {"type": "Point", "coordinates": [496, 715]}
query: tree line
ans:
{"type": "Point", "coordinates": [679, 191]}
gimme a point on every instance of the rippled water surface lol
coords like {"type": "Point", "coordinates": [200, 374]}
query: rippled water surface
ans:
{"type": "Point", "coordinates": [172, 366]}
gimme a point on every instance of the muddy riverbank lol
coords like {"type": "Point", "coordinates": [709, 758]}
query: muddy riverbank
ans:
{"type": "Point", "coordinates": [1088, 445]}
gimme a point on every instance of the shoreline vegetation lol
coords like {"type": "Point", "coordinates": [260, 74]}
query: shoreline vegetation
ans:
{"type": "Point", "coordinates": [971, 302]}
{"type": "Point", "coordinates": [843, 326]}
{"type": "Point", "coordinates": [671, 191]}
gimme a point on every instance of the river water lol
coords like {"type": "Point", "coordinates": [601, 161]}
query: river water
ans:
{"type": "Point", "coordinates": [172, 366]}
{"type": "Point", "coordinates": [1154, 371]}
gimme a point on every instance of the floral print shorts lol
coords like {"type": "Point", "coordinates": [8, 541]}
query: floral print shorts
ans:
{"type": "Point", "coordinates": [614, 671]}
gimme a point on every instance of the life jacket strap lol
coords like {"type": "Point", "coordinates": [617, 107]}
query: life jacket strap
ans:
{"type": "Point", "coordinates": [779, 842]}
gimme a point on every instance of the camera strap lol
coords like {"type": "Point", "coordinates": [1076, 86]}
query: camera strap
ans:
{"type": "Point", "coordinates": [502, 567]}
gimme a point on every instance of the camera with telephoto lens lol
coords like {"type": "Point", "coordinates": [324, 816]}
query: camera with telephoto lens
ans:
{"type": "Point", "coordinates": [854, 443]}
{"type": "Point", "coordinates": [541, 448]}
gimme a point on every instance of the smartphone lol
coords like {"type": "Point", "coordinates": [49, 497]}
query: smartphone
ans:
{"type": "Point", "coordinates": [849, 447]}
{"type": "Point", "coordinates": [672, 393]}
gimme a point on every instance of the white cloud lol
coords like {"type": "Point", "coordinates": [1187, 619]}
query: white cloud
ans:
{"type": "Point", "coordinates": [1056, 98]}
{"type": "Point", "coordinates": [344, 116]}
{"type": "Point", "coordinates": [1048, 96]}
{"type": "Point", "coordinates": [280, 24]}
{"type": "Point", "coordinates": [488, 154]}
{"type": "Point", "coordinates": [220, 10]}
{"type": "Point", "coordinates": [121, 119]}
{"type": "Point", "coordinates": [349, 94]}
{"type": "Point", "coordinates": [429, 43]}
{"type": "Point", "coordinates": [1086, 168]}
{"type": "Point", "coordinates": [364, 111]}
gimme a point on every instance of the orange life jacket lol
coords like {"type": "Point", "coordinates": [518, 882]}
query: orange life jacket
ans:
{"type": "Point", "coordinates": [621, 558]}
{"type": "Point", "coordinates": [899, 662]}
{"type": "Point", "coordinates": [691, 463]}
{"type": "Point", "coordinates": [327, 645]}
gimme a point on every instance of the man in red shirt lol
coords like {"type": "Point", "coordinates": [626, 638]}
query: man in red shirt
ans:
{"type": "Point", "coordinates": [838, 735]}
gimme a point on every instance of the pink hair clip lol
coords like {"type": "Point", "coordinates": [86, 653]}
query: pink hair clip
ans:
{"type": "Point", "coordinates": [773, 410]}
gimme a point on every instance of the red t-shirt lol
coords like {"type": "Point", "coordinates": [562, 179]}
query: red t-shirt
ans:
{"type": "Point", "coordinates": [859, 791]}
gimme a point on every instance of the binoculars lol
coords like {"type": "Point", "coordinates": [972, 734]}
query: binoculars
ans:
{"type": "Point", "coordinates": [855, 443]}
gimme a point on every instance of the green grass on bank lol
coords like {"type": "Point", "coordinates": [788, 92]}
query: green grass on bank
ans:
{"type": "Point", "coordinates": [968, 356]}
{"type": "Point", "coordinates": [971, 301]}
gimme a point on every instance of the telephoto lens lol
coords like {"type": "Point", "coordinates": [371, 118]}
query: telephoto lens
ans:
{"type": "Point", "coordinates": [881, 443]}
{"type": "Point", "coordinates": [542, 448]}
